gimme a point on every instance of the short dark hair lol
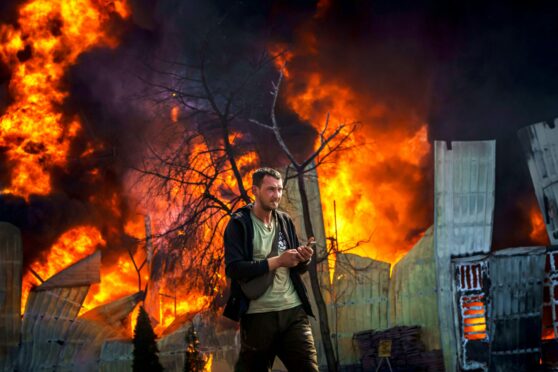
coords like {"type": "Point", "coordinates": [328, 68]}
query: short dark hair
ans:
{"type": "Point", "coordinates": [259, 174]}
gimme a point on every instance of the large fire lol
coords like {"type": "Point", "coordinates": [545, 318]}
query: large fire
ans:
{"type": "Point", "coordinates": [374, 212]}
{"type": "Point", "coordinates": [49, 37]}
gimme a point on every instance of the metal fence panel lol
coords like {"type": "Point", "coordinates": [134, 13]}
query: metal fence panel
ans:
{"type": "Point", "coordinates": [516, 296]}
{"type": "Point", "coordinates": [540, 144]}
{"type": "Point", "coordinates": [413, 295]}
{"type": "Point", "coordinates": [360, 301]}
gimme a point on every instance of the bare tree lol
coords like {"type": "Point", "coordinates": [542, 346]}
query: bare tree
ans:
{"type": "Point", "coordinates": [197, 165]}
{"type": "Point", "coordinates": [329, 143]}
{"type": "Point", "coordinates": [199, 168]}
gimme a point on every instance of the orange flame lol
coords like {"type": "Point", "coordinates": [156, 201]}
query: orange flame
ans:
{"type": "Point", "coordinates": [208, 364]}
{"type": "Point", "coordinates": [371, 208]}
{"type": "Point", "coordinates": [538, 232]}
{"type": "Point", "coordinates": [70, 247]}
{"type": "Point", "coordinates": [48, 39]}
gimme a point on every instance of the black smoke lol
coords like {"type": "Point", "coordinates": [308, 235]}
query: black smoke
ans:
{"type": "Point", "coordinates": [474, 70]}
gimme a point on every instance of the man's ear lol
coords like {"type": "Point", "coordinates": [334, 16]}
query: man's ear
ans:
{"type": "Point", "coordinates": [254, 189]}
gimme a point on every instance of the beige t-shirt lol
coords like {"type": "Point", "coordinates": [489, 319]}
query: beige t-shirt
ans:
{"type": "Point", "coordinates": [281, 294]}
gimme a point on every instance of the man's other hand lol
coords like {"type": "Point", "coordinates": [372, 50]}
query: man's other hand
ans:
{"type": "Point", "coordinates": [305, 253]}
{"type": "Point", "coordinates": [289, 258]}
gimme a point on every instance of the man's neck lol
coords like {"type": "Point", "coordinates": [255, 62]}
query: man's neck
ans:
{"type": "Point", "coordinates": [261, 213]}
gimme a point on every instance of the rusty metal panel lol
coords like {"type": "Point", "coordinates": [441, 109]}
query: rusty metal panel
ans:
{"type": "Point", "coordinates": [116, 356]}
{"type": "Point", "coordinates": [516, 296]}
{"type": "Point", "coordinates": [413, 296]}
{"type": "Point", "coordinates": [50, 312]}
{"type": "Point", "coordinates": [360, 301]}
{"type": "Point", "coordinates": [463, 214]}
{"type": "Point", "coordinates": [540, 144]}
{"type": "Point", "coordinates": [11, 257]}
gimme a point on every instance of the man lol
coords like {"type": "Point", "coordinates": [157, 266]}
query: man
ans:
{"type": "Point", "coordinates": [276, 323]}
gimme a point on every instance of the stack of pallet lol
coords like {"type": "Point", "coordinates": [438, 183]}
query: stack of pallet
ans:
{"type": "Point", "coordinates": [407, 351]}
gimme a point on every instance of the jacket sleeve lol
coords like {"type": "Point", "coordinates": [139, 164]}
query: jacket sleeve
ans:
{"type": "Point", "coordinates": [303, 266]}
{"type": "Point", "coordinates": [236, 265]}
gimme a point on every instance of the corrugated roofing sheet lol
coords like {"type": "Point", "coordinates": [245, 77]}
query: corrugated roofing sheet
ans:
{"type": "Point", "coordinates": [51, 310]}
{"type": "Point", "coordinates": [115, 312]}
{"type": "Point", "coordinates": [464, 197]}
{"type": "Point", "coordinates": [83, 342]}
{"type": "Point", "coordinates": [550, 296]}
{"type": "Point", "coordinates": [360, 301]}
{"type": "Point", "coordinates": [47, 319]}
{"type": "Point", "coordinates": [463, 214]}
{"type": "Point", "coordinates": [516, 296]}
{"type": "Point", "coordinates": [413, 294]}
{"type": "Point", "coordinates": [172, 349]}
{"type": "Point", "coordinates": [540, 144]}
{"type": "Point", "coordinates": [84, 272]}
{"type": "Point", "coordinates": [116, 356]}
{"type": "Point", "coordinates": [10, 294]}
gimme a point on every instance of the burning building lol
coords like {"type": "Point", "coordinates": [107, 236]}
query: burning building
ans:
{"type": "Point", "coordinates": [68, 113]}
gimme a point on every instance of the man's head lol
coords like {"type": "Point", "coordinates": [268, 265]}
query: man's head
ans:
{"type": "Point", "coordinates": [267, 187]}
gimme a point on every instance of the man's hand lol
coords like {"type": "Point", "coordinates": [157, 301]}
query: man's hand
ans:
{"type": "Point", "coordinates": [305, 253]}
{"type": "Point", "coordinates": [289, 258]}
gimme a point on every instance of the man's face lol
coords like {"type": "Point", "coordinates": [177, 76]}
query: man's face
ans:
{"type": "Point", "coordinates": [268, 195]}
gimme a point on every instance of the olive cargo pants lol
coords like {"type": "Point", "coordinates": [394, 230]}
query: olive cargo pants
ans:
{"type": "Point", "coordinates": [286, 334]}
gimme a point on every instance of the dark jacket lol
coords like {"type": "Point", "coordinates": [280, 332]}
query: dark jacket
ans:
{"type": "Point", "coordinates": [239, 262]}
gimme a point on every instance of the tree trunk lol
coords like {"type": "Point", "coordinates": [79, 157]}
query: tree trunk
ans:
{"type": "Point", "coordinates": [314, 281]}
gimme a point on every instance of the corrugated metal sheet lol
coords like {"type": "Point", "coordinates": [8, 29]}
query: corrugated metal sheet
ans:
{"type": "Point", "coordinates": [360, 301]}
{"type": "Point", "coordinates": [550, 295]}
{"type": "Point", "coordinates": [47, 319]}
{"type": "Point", "coordinates": [83, 272]}
{"type": "Point", "coordinates": [50, 312]}
{"type": "Point", "coordinates": [172, 349]}
{"type": "Point", "coordinates": [540, 144]}
{"type": "Point", "coordinates": [115, 312]}
{"type": "Point", "coordinates": [412, 292]}
{"type": "Point", "coordinates": [82, 345]}
{"type": "Point", "coordinates": [10, 294]}
{"type": "Point", "coordinates": [116, 356]}
{"type": "Point", "coordinates": [516, 295]}
{"type": "Point", "coordinates": [291, 203]}
{"type": "Point", "coordinates": [463, 215]}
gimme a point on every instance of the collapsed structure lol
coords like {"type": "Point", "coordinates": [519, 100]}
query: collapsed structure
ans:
{"type": "Point", "coordinates": [52, 336]}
